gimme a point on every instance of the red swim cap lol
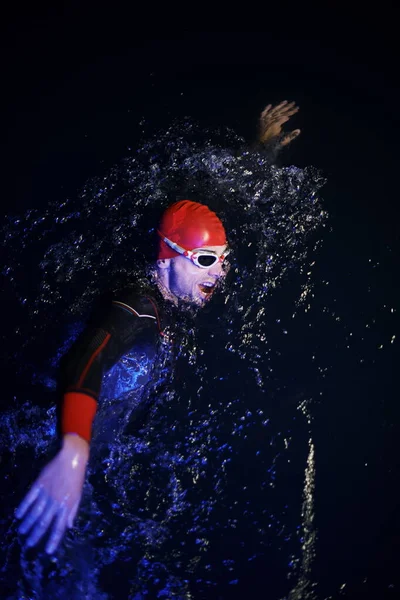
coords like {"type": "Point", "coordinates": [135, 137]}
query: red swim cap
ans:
{"type": "Point", "coordinates": [190, 225]}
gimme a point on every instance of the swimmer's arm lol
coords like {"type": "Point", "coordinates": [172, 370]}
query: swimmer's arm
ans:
{"type": "Point", "coordinates": [52, 502]}
{"type": "Point", "coordinates": [270, 134]}
{"type": "Point", "coordinates": [96, 351]}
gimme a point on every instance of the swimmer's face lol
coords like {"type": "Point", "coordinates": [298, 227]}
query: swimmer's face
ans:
{"type": "Point", "coordinates": [186, 281]}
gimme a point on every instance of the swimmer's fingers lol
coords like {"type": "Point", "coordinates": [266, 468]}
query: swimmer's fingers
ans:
{"type": "Point", "coordinates": [27, 501]}
{"type": "Point", "coordinates": [289, 110]}
{"type": "Point", "coordinates": [35, 513]}
{"type": "Point", "coordinates": [58, 531]}
{"type": "Point", "coordinates": [277, 108]}
{"type": "Point", "coordinates": [266, 111]}
{"type": "Point", "coordinates": [39, 520]}
{"type": "Point", "coordinates": [42, 525]}
{"type": "Point", "coordinates": [279, 113]}
{"type": "Point", "coordinates": [283, 108]}
{"type": "Point", "coordinates": [290, 137]}
{"type": "Point", "coordinates": [72, 514]}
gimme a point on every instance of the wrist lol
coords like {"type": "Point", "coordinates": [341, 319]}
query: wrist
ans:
{"type": "Point", "coordinates": [75, 443]}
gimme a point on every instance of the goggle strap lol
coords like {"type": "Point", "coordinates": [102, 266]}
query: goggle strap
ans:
{"type": "Point", "coordinates": [188, 253]}
{"type": "Point", "coordinates": [172, 244]}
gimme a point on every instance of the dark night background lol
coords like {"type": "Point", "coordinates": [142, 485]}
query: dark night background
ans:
{"type": "Point", "coordinates": [74, 92]}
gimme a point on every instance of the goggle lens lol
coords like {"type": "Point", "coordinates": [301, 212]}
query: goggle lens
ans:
{"type": "Point", "coordinates": [206, 260]}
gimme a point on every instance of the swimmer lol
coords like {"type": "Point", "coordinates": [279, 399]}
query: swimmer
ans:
{"type": "Point", "coordinates": [190, 265]}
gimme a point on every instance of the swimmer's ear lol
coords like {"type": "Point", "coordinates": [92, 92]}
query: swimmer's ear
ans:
{"type": "Point", "coordinates": [163, 263]}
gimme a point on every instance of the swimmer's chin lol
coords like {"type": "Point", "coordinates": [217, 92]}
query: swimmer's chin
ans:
{"type": "Point", "coordinates": [196, 302]}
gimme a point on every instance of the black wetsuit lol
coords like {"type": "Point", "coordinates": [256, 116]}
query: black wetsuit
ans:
{"type": "Point", "coordinates": [134, 318]}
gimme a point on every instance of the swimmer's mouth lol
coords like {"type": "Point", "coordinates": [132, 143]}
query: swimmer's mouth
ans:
{"type": "Point", "coordinates": [207, 287]}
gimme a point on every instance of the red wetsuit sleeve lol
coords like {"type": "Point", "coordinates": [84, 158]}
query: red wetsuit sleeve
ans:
{"type": "Point", "coordinates": [78, 413]}
{"type": "Point", "coordinates": [96, 351]}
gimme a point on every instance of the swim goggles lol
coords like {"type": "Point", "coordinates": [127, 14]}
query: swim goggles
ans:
{"type": "Point", "coordinates": [201, 258]}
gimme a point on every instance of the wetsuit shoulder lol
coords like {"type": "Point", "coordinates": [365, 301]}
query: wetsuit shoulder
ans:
{"type": "Point", "coordinates": [137, 301]}
{"type": "Point", "coordinates": [133, 306]}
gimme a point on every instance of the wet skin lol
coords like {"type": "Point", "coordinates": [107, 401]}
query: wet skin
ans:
{"type": "Point", "coordinates": [185, 281]}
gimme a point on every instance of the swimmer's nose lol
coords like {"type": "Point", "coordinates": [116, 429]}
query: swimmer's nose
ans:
{"type": "Point", "coordinates": [215, 270]}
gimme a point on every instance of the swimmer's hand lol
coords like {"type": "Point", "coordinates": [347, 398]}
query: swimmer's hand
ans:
{"type": "Point", "coordinates": [55, 495]}
{"type": "Point", "coordinates": [271, 120]}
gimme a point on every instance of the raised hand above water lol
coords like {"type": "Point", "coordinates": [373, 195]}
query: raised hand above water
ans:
{"type": "Point", "coordinates": [271, 120]}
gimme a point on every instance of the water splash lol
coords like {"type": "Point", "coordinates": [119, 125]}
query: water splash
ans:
{"type": "Point", "coordinates": [177, 501]}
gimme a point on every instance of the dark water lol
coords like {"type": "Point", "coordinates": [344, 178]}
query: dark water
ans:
{"type": "Point", "coordinates": [182, 491]}
{"type": "Point", "coordinates": [267, 460]}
